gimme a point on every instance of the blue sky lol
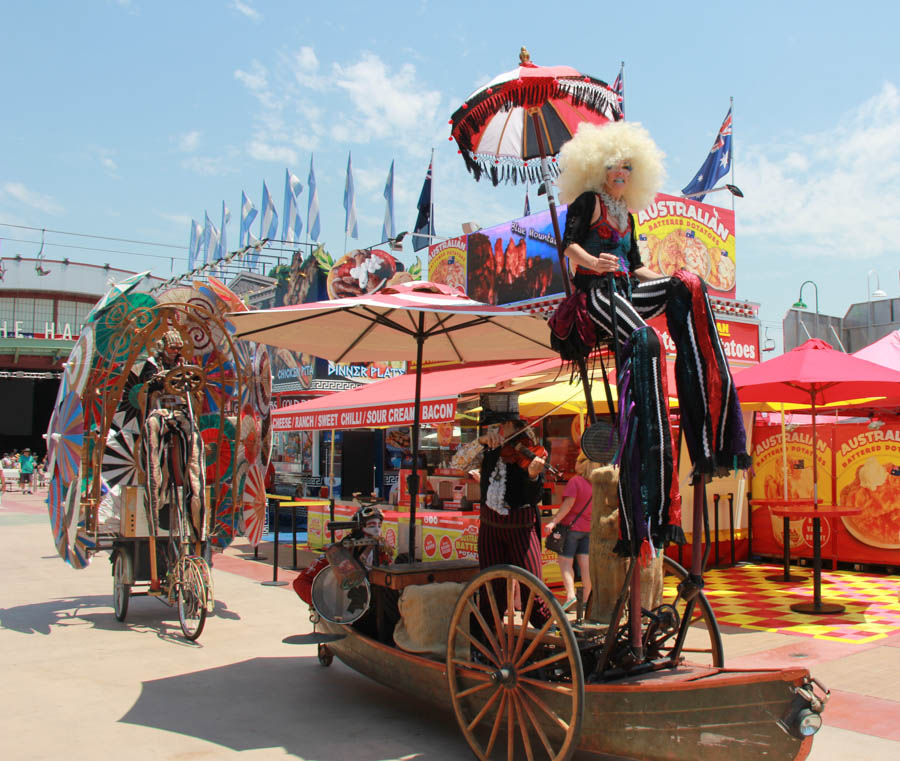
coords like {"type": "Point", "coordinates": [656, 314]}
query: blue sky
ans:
{"type": "Point", "coordinates": [129, 118]}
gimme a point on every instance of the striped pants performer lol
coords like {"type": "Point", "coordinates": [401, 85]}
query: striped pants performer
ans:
{"type": "Point", "coordinates": [510, 539]}
{"type": "Point", "coordinates": [710, 414]}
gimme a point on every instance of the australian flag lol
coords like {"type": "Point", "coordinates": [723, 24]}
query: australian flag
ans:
{"type": "Point", "coordinates": [423, 233]}
{"type": "Point", "coordinates": [619, 89]}
{"type": "Point", "coordinates": [716, 166]}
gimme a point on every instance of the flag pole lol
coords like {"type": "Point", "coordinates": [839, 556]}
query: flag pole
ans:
{"type": "Point", "coordinates": [731, 108]}
{"type": "Point", "coordinates": [431, 199]}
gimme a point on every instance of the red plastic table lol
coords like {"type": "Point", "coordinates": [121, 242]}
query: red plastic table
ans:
{"type": "Point", "coordinates": [817, 607]}
{"type": "Point", "coordinates": [784, 503]}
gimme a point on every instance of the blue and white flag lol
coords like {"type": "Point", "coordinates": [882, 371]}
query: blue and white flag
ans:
{"type": "Point", "coordinates": [292, 223]}
{"type": "Point", "coordinates": [351, 227]}
{"type": "Point", "coordinates": [248, 214]}
{"type": "Point", "coordinates": [424, 230]}
{"type": "Point", "coordinates": [223, 245]}
{"type": "Point", "coordinates": [194, 248]}
{"type": "Point", "coordinates": [387, 229]}
{"type": "Point", "coordinates": [716, 166]}
{"type": "Point", "coordinates": [312, 211]}
{"type": "Point", "coordinates": [619, 88]}
{"type": "Point", "coordinates": [268, 223]}
{"type": "Point", "coordinates": [204, 240]}
{"type": "Point", "coordinates": [211, 239]}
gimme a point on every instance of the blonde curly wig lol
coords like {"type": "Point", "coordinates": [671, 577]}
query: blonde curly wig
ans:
{"type": "Point", "coordinates": [584, 159]}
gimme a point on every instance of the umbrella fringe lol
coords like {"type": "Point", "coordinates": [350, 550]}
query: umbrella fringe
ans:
{"type": "Point", "coordinates": [506, 169]}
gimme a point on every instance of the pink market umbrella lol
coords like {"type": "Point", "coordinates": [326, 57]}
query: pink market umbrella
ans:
{"type": "Point", "coordinates": [419, 321]}
{"type": "Point", "coordinates": [816, 374]}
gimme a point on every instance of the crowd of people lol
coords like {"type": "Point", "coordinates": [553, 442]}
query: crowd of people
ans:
{"type": "Point", "coordinates": [30, 472]}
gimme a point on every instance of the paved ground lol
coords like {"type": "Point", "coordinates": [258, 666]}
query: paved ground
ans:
{"type": "Point", "coordinates": [77, 684]}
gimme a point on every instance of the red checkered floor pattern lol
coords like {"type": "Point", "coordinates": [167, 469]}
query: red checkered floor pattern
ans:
{"type": "Point", "coordinates": [741, 596]}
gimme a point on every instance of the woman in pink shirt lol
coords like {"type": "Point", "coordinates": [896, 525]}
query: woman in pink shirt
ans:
{"type": "Point", "coordinates": [575, 512]}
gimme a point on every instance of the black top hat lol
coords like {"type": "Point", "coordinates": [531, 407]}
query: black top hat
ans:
{"type": "Point", "coordinates": [499, 407]}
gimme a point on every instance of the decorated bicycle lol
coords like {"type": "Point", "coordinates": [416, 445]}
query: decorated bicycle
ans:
{"type": "Point", "coordinates": [158, 443]}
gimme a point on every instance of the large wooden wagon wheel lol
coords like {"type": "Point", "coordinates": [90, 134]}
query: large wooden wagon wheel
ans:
{"type": "Point", "coordinates": [517, 690]}
{"type": "Point", "coordinates": [703, 640]}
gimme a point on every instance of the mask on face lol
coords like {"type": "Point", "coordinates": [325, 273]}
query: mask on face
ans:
{"type": "Point", "coordinates": [372, 528]}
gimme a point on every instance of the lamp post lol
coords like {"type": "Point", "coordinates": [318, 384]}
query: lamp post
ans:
{"type": "Point", "coordinates": [800, 304]}
{"type": "Point", "coordinates": [733, 189]}
{"type": "Point", "coordinates": [870, 294]}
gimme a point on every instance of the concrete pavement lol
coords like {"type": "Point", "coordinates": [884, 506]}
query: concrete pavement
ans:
{"type": "Point", "coordinates": [77, 684]}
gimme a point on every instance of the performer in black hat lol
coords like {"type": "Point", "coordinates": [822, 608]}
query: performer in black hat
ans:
{"type": "Point", "coordinates": [509, 531]}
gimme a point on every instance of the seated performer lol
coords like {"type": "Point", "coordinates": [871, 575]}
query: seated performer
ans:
{"type": "Point", "coordinates": [605, 172]}
{"type": "Point", "coordinates": [510, 493]}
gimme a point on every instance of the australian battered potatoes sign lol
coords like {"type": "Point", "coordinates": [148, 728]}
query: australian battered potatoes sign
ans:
{"type": "Point", "coordinates": [678, 233]}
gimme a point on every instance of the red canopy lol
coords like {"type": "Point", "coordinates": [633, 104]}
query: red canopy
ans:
{"type": "Point", "coordinates": [391, 402]}
{"type": "Point", "coordinates": [885, 351]}
{"type": "Point", "coordinates": [814, 372]}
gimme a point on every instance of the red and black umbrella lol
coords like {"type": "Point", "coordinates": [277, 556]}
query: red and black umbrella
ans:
{"type": "Point", "coordinates": [506, 127]}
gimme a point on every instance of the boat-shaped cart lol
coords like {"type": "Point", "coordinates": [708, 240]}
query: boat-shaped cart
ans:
{"type": "Point", "coordinates": [539, 693]}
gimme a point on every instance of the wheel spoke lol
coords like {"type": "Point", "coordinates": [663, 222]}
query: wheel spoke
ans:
{"type": "Point", "coordinates": [485, 708]}
{"type": "Point", "coordinates": [479, 667]}
{"type": "Point", "coordinates": [534, 642]}
{"type": "Point", "coordinates": [510, 730]}
{"type": "Point", "coordinates": [536, 724]}
{"type": "Point", "coordinates": [485, 630]}
{"type": "Point", "coordinates": [554, 717]}
{"type": "Point", "coordinates": [498, 623]}
{"type": "Point", "coordinates": [526, 617]}
{"type": "Point", "coordinates": [510, 613]}
{"type": "Point", "coordinates": [562, 655]}
{"type": "Point", "coordinates": [523, 728]}
{"type": "Point", "coordinates": [477, 688]}
{"type": "Point", "coordinates": [498, 720]}
{"type": "Point", "coordinates": [560, 688]}
{"type": "Point", "coordinates": [479, 645]}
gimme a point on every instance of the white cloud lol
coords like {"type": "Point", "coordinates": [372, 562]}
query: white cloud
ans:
{"type": "Point", "coordinates": [210, 166]}
{"type": "Point", "coordinates": [189, 141]}
{"type": "Point", "coordinates": [246, 10]}
{"type": "Point", "coordinates": [263, 151]}
{"type": "Point", "coordinates": [182, 220]}
{"type": "Point", "coordinates": [22, 194]}
{"type": "Point", "coordinates": [832, 193]}
{"type": "Point", "coordinates": [386, 103]}
{"type": "Point", "coordinates": [367, 100]}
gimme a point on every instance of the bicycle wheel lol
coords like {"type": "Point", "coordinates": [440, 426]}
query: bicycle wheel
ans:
{"type": "Point", "coordinates": [703, 642]}
{"type": "Point", "coordinates": [191, 597]}
{"type": "Point", "coordinates": [121, 590]}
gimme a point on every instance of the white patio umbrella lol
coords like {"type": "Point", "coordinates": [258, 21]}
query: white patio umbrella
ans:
{"type": "Point", "coordinates": [418, 321]}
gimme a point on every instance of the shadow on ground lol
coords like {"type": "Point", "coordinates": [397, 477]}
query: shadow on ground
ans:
{"type": "Point", "coordinates": [297, 704]}
{"type": "Point", "coordinates": [144, 615]}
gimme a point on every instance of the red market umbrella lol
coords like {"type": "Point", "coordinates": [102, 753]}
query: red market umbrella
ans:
{"type": "Point", "coordinates": [816, 374]}
{"type": "Point", "coordinates": [418, 321]}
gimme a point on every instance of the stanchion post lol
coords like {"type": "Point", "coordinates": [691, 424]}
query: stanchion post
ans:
{"type": "Point", "coordinates": [275, 582]}
{"type": "Point", "coordinates": [294, 535]}
{"type": "Point", "coordinates": [731, 526]}
{"type": "Point", "coordinates": [716, 522]}
{"type": "Point", "coordinates": [331, 514]}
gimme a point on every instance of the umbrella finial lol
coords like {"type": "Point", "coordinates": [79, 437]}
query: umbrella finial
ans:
{"type": "Point", "coordinates": [524, 56]}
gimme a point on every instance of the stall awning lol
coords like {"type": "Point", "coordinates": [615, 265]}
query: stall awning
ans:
{"type": "Point", "coordinates": [391, 402]}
